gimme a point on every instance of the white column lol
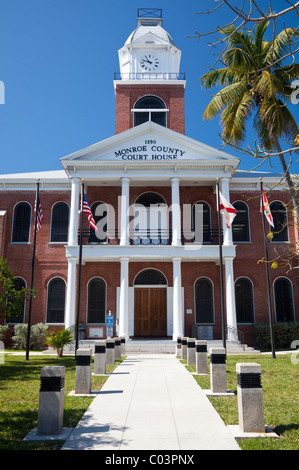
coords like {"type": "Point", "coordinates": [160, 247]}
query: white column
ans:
{"type": "Point", "coordinates": [70, 303]}
{"type": "Point", "coordinates": [231, 316]}
{"type": "Point", "coordinates": [74, 215]}
{"type": "Point", "coordinates": [176, 211]}
{"type": "Point", "coordinates": [124, 211]}
{"type": "Point", "coordinates": [124, 298]}
{"type": "Point", "coordinates": [227, 232]}
{"type": "Point", "coordinates": [177, 299]}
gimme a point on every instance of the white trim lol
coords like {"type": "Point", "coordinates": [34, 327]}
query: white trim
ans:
{"type": "Point", "coordinates": [292, 287]}
{"type": "Point", "coordinates": [272, 229]}
{"type": "Point", "coordinates": [248, 219]}
{"type": "Point", "coordinates": [87, 299]}
{"type": "Point", "coordinates": [213, 301]}
{"type": "Point", "coordinates": [253, 300]}
{"type": "Point", "coordinates": [47, 291]}
{"type": "Point", "coordinates": [24, 308]}
{"type": "Point", "coordinates": [13, 220]}
{"type": "Point", "coordinates": [151, 285]}
{"type": "Point", "coordinates": [68, 225]}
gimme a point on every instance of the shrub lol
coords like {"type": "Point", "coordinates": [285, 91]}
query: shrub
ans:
{"type": "Point", "coordinates": [4, 329]}
{"type": "Point", "coordinates": [284, 335]}
{"type": "Point", "coordinates": [38, 335]}
{"type": "Point", "coordinates": [58, 339]}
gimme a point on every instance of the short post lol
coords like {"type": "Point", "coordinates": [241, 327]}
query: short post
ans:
{"type": "Point", "coordinates": [179, 346]}
{"type": "Point", "coordinates": [100, 357]}
{"type": "Point", "coordinates": [83, 372]}
{"type": "Point", "coordinates": [51, 400]}
{"type": "Point", "coordinates": [117, 348]}
{"type": "Point", "coordinates": [184, 347]}
{"type": "Point", "coordinates": [110, 352]}
{"type": "Point", "coordinates": [191, 359]}
{"type": "Point", "coordinates": [123, 345]}
{"type": "Point", "coordinates": [218, 370]}
{"type": "Point", "coordinates": [201, 357]}
{"type": "Point", "coordinates": [250, 398]}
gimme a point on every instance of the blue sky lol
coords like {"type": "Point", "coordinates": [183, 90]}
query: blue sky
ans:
{"type": "Point", "coordinates": [57, 60]}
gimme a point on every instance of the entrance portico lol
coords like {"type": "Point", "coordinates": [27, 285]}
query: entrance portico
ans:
{"type": "Point", "coordinates": [171, 238]}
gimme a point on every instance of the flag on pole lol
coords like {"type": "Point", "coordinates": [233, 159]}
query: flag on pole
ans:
{"type": "Point", "coordinates": [39, 216]}
{"type": "Point", "coordinates": [227, 210]}
{"type": "Point", "coordinates": [86, 210]}
{"type": "Point", "coordinates": [267, 210]}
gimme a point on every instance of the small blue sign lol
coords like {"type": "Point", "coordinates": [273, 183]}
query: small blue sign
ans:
{"type": "Point", "coordinates": [109, 320]}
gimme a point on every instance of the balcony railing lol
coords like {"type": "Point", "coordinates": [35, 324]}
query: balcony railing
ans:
{"type": "Point", "coordinates": [149, 76]}
{"type": "Point", "coordinates": [151, 237]}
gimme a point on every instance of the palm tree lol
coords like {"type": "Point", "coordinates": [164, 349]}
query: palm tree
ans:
{"type": "Point", "coordinates": [256, 79]}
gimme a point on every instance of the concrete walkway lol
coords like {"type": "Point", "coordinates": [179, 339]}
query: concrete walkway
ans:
{"type": "Point", "coordinates": [151, 402]}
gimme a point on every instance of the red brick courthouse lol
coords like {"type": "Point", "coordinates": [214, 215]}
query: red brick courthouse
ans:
{"type": "Point", "coordinates": [150, 187]}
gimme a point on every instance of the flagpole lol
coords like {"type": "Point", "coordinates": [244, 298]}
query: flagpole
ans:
{"type": "Point", "coordinates": [32, 271]}
{"type": "Point", "coordinates": [79, 270]}
{"type": "Point", "coordinates": [268, 276]}
{"type": "Point", "coordinates": [221, 269]}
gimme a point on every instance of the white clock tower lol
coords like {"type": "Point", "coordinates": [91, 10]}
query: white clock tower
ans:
{"type": "Point", "coordinates": [149, 76]}
{"type": "Point", "coordinates": [149, 50]}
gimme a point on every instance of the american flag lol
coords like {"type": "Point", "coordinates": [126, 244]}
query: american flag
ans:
{"type": "Point", "coordinates": [86, 210]}
{"type": "Point", "coordinates": [40, 216]}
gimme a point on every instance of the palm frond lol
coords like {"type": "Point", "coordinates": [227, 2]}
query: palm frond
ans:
{"type": "Point", "coordinates": [223, 76]}
{"type": "Point", "coordinates": [234, 117]}
{"type": "Point", "coordinates": [221, 100]}
{"type": "Point", "coordinates": [280, 45]}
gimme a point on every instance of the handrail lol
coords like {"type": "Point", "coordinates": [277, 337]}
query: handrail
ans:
{"type": "Point", "coordinates": [149, 76]}
{"type": "Point", "coordinates": [152, 237]}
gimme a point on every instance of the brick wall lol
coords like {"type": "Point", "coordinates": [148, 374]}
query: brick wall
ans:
{"type": "Point", "coordinates": [51, 261]}
{"type": "Point", "coordinates": [127, 95]}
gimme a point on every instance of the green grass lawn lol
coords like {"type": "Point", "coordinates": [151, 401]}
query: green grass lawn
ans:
{"type": "Point", "coordinates": [19, 399]}
{"type": "Point", "coordinates": [280, 396]}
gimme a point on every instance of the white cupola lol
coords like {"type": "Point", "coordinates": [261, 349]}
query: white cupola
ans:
{"type": "Point", "coordinates": [149, 52]}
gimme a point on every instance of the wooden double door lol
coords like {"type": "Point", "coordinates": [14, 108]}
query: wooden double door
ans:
{"type": "Point", "coordinates": [150, 311]}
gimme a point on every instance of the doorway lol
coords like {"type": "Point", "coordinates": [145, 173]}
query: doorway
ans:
{"type": "Point", "coordinates": [150, 311]}
{"type": "Point", "coordinates": [150, 304]}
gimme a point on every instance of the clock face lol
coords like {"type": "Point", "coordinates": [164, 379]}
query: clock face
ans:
{"type": "Point", "coordinates": [149, 62]}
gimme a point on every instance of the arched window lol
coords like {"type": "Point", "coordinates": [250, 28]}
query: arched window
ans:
{"type": "Point", "coordinates": [96, 306]}
{"type": "Point", "coordinates": [201, 222]}
{"type": "Point", "coordinates": [244, 300]}
{"type": "Point", "coordinates": [150, 277]}
{"type": "Point", "coordinates": [240, 225]}
{"type": "Point", "coordinates": [279, 214]}
{"type": "Point", "coordinates": [21, 222]}
{"type": "Point", "coordinates": [150, 220]}
{"type": "Point", "coordinates": [18, 317]}
{"type": "Point", "coordinates": [100, 214]}
{"type": "Point", "coordinates": [56, 300]}
{"type": "Point", "coordinates": [204, 301]}
{"type": "Point", "coordinates": [283, 295]}
{"type": "Point", "coordinates": [150, 108]}
{"type": "Point", "coordinates": [60, 222]}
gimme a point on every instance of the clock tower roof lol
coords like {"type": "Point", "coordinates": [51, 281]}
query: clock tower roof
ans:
{"type": "Point", "coordinates": [149, 21]}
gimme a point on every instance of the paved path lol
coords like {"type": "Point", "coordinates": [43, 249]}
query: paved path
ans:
{"type": "Point", "coordinates": [151, 402]}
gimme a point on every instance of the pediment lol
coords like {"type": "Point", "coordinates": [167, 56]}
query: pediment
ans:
{"type": "Point", "coordinates": [149, 143]}
{"type": "Point", "coordinates": [149, 37]}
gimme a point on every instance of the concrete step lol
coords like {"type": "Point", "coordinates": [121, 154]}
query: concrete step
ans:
{"type": "Point", "coordinates": [162, 346]}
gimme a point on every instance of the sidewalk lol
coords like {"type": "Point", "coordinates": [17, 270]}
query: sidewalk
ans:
{"type": "Point", "coordinates": [151, 402]}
